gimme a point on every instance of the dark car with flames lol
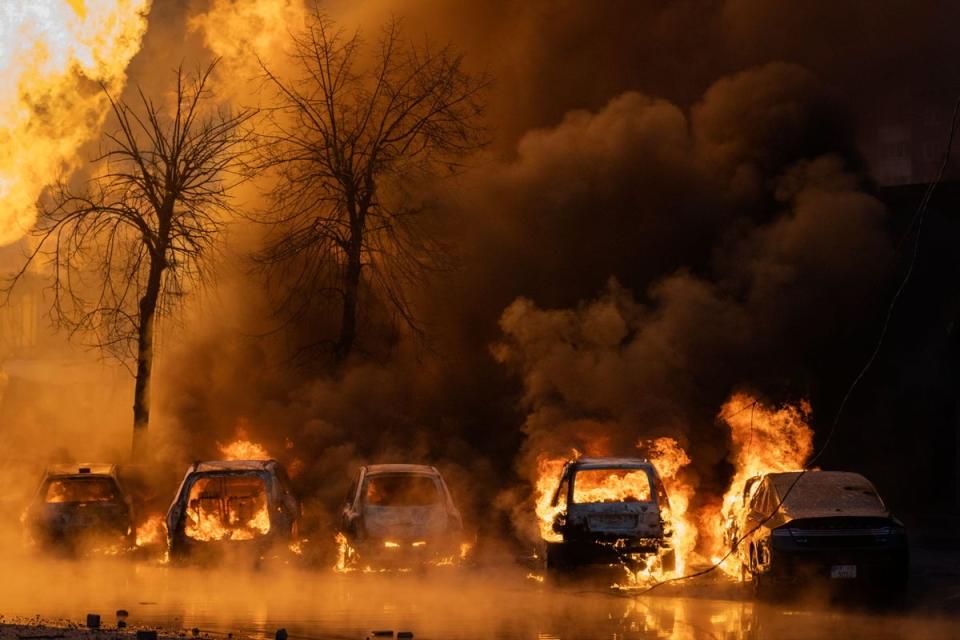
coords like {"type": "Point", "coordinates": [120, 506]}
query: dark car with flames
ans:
{"type": "Point", "coordinates": [610, 511]}
{"type": "Point", "coordinates": [245, 508]}
{"type": "Point", "coordinates": [400, 516]}
{"type": "Point", "coordinates": [81, 509]}
{"type": "Point", "coordinates": [798, 526]}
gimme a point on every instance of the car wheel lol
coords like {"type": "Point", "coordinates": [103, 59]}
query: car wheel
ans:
{"type": "Point", "coordinates": [555, 557]}
{"type": "Point", "coordinates": [760, 581]}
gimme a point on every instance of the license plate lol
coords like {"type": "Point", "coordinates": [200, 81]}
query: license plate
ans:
{"type": "Point", "coordinates": [843, 571]}
{"type": "Point", "coordinates": [618, 521]}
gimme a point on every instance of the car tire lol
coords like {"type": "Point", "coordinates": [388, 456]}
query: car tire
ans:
{"type": "Point", "coordinates": [556, 558]}
{"type": "Point", "coordinates": [761, 586]}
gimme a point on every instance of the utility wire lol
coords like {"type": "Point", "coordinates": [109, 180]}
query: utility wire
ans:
{"type": "Point", "coordinates": [918, 217]}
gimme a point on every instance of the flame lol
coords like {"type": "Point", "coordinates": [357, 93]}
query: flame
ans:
{"type": "Point", "coordinates": [548, 473]}
{"type": "Point", "coordinates": [343, 554]}
{"type": "Point", "coordinates": [207, 526]}
{"type": "Point", "coordinates": [669, 459]}
{"type": "Point", "coordinates": [227, 513]}
{"type": "Point", "coordinates": [764, 440]}
{"type": "Point", "coordinates": [52, 52]}
{"type": "Point", "coordinates": [612, 487]}
{"type": "Point", "coordinates": [152, 532]}
{"type": "Point", "coordinates": [243, 450]}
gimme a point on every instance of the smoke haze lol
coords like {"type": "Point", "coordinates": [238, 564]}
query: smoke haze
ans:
{"type": "Point", "coordinates": [673, 207]}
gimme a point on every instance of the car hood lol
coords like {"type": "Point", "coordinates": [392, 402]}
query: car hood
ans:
{"type": "Point", "coordinates": [833, 512]}
{"type": "Point", "coordinates": [405, 522]}
{"type": "Point", "coordinates": [69, 516]}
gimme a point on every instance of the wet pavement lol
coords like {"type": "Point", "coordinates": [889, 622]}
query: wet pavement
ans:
{"type": "Point", "coordinates": [461, 604]}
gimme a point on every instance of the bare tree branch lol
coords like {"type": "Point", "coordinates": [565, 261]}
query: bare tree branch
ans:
{"type": "Point", "coordinates": [345, 136]}
{"type": "Point", "coordinates": [125, 245]}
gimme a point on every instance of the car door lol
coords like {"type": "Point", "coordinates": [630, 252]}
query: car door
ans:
{"type": "Point", "coordinates": [350, 512]}
{"type": "Point", "coordinates": [758, 513]}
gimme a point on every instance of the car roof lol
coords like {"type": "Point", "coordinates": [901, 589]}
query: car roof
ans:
{"type": "Point", "coordinates": [819, 477]}
{"type": "Point", "coordinates": [827, 493]}
{"type": "Point", "coordinates": [608, 463]}
{"type": "Point", "coordinates": [82, 468]}
{"type": "Point", "coordinates": [420, 469]}
{"type": "Point", "coordinates": [213, 466]}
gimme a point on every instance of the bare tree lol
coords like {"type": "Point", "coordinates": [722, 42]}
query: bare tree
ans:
{"type": "Point", "coordinates": [354, 128]}
{"type": "Point", "coordinates": [124, 246]}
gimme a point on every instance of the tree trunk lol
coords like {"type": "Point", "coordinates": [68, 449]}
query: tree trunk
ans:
{"type": "Point", "coordinates": [141, 392]}
{"type": "Point", "coordinates": [351, 286]}
{"type": "Point", "coordinates": [348, 320]}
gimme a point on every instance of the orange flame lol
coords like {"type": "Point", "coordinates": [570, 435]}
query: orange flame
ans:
{"type": "Point", "coordinates": [207, 526]}
{"type": "Point", "coordinates": [225, 512]}
{"type": "Point", "coordinates": [669, 459]}
{"type": "Point", "coordinates": [548, 473]}
{"type": "Point", "coordinates": [243, 450]}
{"type": "Point", "coordinates": [764, 440]}
{"type": "Point", "coordinates": [152, 532]}
{"type": "Point", "coordinates": [52, 52]}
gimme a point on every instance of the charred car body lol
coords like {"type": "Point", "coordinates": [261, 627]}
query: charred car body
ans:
{"type": "Point", "coordinates": [611, 510]}
{"type": "Point", "coordinates": [81, 508]}
{"type": "Point", "coordinates": [240, 507]}
{"type": "Point", "coordinates": [400, 516]}
{"type": "Point", "coordinates": [818, 524]}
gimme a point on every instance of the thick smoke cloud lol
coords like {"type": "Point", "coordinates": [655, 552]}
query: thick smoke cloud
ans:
{"type": "Point", "coordinates": [791, 249]}
{"type": "Point", "coordinates": [673, 207]}
{"type": "Point", "coordinates": [740, 241]}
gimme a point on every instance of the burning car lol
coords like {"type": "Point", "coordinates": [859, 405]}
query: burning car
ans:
{"type": "Point", "coordinates": [610, 511]}
{"type": "Point", "coordinates": [817, 524]}
{"type": "Point", "coordinates": [79, 509]}
{"type": "Point", "coordinates": [241, 506]}
{"type": "Point", "coordinates": [399, 516]}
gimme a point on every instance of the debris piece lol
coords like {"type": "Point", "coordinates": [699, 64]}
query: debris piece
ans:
{"type": "Point", "coordinates": [381, 634]}
{"type": "Point", "coordinates": [281, 634]}
{"type": "Point", "coordinates": [404, 634]}
{"type": "Point", "coordinates": [93, 620]}
{"type": "Point", "coordinates": [146, 635]}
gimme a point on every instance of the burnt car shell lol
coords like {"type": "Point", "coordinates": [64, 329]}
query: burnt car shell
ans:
{"type": "Point", "coordinates": [606, 532]}
{"type": "Point", "coordinates": [401, 515]}
{"type": "Point", "coordinates": [266, 486]}
{"type": "Point", "coordinates": [80, 508]}
{"type": "Point", "coordinates": [831, 525]}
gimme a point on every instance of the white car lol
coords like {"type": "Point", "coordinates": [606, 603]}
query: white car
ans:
{"type": "Point", "coordinates": [400, 516]}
